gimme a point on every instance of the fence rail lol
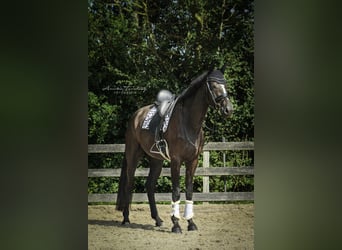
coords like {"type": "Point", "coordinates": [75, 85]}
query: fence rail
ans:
{"type": "Point", "coordinates": [210, 146]}
{"type": "Point", "coordinates": [142, 197]}
{"type": "Point", "coordinates": [142, 172]}
{"type": "Point", "coordinates": [204, 171]}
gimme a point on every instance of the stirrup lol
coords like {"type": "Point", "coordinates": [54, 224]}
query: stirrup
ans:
{"type": "Point", "coordinates": [159, 145]}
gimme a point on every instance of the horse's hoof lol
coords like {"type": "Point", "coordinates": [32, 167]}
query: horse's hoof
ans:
{"type": "Point", "coordinates": [159, 223]}
{"type": "Point", "coordinates": [192, 227]}
{"type": "Point", "coordinates": [176, 230]}
{"type": "Point", "coordinates": [125, 222]}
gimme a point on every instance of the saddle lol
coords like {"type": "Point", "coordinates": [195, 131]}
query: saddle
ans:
{"type": "Point", "coordinates": [157, 121]}
{"type": "Point", "coordinates": [164, 100]}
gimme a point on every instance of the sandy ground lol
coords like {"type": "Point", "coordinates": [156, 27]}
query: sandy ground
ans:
{"type": "Point", "coordinates": [228, 226]}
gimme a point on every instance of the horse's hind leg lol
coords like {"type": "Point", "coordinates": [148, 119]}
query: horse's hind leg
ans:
{"type": "Point", "coordinates": [133, 153]}
{"type": "Point", "coordinates": [155, 169]}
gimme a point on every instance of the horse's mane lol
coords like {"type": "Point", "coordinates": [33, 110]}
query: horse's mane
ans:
{"type": "Point", "coordinates": [194, 85]}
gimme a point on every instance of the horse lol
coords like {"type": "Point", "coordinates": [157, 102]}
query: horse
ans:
{"type": "Point", "coordinates": [185, 139]}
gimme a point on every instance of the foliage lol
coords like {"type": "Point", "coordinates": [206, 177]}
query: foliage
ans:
{"type": "Point", "coordinates": [136, 48]}
{"type": "Point", "coordinates": [235, 182]}
{"type": "Point", "coordinates": [101, 119]}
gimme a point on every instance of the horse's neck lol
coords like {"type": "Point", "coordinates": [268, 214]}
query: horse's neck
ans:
{"type": "Point", "coordinates": [195, 108]}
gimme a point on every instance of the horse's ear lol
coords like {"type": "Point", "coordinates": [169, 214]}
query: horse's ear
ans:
{"type": "Point", "coordinates": [211, 68]}
{"type": "Point", "coordinates": [224, 67]}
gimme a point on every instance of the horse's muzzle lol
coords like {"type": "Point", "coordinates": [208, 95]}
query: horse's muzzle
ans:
{"type": "Point", "coordinates": [227, 109]}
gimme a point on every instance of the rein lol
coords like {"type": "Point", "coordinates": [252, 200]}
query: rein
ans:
{"type": "Point", "coordinates": [216, 100]}
{"type": "Point", "coordinates": [210, 129]}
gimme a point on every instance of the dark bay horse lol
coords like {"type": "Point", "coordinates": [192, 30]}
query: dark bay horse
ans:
{"type": "Point", "coordinates": [185, 141]}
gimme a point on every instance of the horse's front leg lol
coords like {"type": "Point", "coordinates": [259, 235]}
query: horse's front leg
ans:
{"type": "Point", "coordinates": [188, 212]}
{"type": "Point", "coordinates": [175, 175]}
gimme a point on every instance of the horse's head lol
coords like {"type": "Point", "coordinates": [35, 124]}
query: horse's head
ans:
{"type": "Point", "coordinates": [218, 93]}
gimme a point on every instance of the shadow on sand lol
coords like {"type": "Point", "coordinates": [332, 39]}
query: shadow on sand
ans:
{"type": "Point", "coordinates": [111, 223]}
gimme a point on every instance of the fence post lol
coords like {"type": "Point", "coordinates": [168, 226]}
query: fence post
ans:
{"type": "Point", "coordinates": [206, 178]}
{"type": "Point", "coordinates": [224, 165]}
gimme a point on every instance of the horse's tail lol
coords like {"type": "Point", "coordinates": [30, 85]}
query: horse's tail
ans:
{"type": "Point", "coordinates": [124, 194]}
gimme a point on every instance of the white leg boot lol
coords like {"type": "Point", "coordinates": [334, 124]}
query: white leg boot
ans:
{"type": "Point", "coordinates": [188, 212]}
{"type": "Point", "coordinates": [175, 209]}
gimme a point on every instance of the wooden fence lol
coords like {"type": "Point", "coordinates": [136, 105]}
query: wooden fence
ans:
{"type": "Point", "coordinates": [204, 171]}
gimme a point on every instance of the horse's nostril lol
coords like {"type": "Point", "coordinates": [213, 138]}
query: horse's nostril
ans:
{"type": "Point", "coordinates": [227, 111]}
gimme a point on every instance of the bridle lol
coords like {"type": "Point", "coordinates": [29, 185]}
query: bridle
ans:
{"type": "Point", "coordinates": [217, 98]}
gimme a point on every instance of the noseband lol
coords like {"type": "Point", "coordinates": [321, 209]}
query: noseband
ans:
{"type": "Point", "coordinates": [217, 98]}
